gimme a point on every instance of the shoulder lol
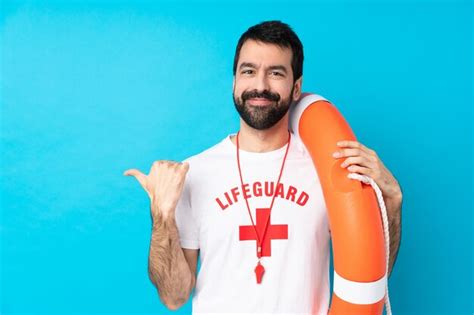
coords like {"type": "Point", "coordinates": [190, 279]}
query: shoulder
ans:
{"type": "Point", "coordinates": [214, 151]}
{"type": "Point", "coordinates": [300, 148]}
{"type": "Point", "coordinates": [209, 157]}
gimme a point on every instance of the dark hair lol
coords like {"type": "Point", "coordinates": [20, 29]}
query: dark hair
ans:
{"type": "Point", "coordinates": [278, 33]}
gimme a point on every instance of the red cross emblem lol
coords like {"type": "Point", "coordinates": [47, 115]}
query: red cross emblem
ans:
{"type": "Point", "coordinates": [274, 232]}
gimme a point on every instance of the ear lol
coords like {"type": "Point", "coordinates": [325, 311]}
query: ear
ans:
{"type": "Point", "coordinates": [297, 89]}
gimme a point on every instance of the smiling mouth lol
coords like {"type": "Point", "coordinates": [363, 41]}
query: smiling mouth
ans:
{"type": "Point", "coordinates": [259, 101]}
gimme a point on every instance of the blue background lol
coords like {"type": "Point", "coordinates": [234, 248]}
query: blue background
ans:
{"type": "Point", "coordinates": [90, 89]}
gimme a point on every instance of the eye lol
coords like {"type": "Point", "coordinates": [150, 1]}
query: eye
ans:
{"type": "Point", "coordinates": [276, 73]}
{"type": "Point", "coordinates": [247, 71]}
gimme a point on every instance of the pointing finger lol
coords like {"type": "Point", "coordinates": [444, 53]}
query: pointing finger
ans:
{"type": "Point", "coordinates": [352, 144]}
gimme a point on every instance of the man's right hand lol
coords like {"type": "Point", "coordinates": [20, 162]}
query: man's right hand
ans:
{"type": "Point", "coordinates": [164, 185]}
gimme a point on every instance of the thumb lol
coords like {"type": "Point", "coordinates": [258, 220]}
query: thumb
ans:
{"type": "Point", "coordinates": [137, 174]}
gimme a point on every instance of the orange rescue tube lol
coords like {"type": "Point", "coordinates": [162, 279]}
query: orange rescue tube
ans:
{"type": "Point", "coordinates": [353, 211]}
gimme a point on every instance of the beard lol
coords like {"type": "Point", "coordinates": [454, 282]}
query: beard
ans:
{"type": "Point", "coordinates": [262, 117]}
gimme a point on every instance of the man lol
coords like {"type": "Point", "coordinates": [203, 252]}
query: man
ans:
{"type": "Point", "coordinates": [252, 204]}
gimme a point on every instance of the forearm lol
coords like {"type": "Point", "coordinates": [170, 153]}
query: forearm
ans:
{"type": "Point", "coordinates": [394, 222]}
{"type": "Point", "coordinates": [167, 266]}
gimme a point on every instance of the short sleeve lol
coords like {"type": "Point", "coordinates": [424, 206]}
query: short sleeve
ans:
{"type": "Point", "coordinates": [186, 219]}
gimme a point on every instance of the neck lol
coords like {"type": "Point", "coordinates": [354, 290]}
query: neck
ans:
{"type": "Point", "coordinates": [254, 140]}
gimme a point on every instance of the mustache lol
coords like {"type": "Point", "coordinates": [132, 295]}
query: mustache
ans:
{"type": "Point", "coordinates": [264, 94]}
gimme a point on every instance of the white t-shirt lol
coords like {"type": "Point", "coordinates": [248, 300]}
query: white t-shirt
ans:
{"type": "Point", "coordinates": [212, 216]}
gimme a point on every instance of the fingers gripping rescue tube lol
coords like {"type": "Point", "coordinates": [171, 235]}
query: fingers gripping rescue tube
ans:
{"type": "Point", "coordinates": [360, 249]}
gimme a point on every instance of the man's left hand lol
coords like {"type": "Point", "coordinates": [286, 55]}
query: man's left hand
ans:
{"type": "Point", "coordinates": [364, 161]}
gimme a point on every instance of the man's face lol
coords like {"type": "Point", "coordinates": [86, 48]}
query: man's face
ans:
{"type": "Point", "coordinates": [263, 84]}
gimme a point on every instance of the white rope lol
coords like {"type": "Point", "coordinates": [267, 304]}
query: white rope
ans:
{"type": "Point", "coordinates": [369, 181]}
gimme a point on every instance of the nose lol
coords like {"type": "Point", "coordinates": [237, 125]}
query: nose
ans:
{"type": "Point", "coordinates": [261, 82]}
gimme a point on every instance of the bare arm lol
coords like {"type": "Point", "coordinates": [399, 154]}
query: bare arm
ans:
{"type": "Point", "coordinates": [168, 268]}
{"type": "Point", "coordinates": [362, 160]}
{"type": "Point", "coordinates": [394, 212]}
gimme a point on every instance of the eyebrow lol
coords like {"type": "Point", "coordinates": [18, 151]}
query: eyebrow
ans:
{"type": "Point", "coordinates": [275, 67]}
